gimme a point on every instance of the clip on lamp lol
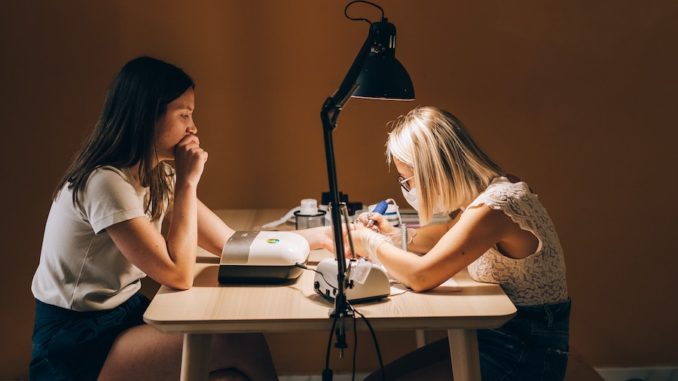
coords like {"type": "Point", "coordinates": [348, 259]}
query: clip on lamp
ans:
{"type": "Point", "coordinates": [375, 73]}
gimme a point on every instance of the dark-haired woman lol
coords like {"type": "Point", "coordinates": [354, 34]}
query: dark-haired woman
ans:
{"type": "Point", "coordinates": [103, 235]}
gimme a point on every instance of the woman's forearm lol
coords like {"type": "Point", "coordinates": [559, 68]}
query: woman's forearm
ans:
{"type": "Point", "coordinates": [419, 273]}
{"type": "Point", "coordinates": [182, 238]}
{"type": "Point", "coordinates": [426, 237]}
{"type": "Point", "coordinates": [212, 231]}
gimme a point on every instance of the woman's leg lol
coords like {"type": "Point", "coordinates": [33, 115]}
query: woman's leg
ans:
{"type": "Point", "coordinates": [246, 352]}
{"type": "Point", "coordinates": [144, 353]}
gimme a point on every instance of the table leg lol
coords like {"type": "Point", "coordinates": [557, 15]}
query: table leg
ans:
{"type": "Point", "coordinates": [423, 337]}
{"type": "Point", "coordinates": [464, 353]}
{"type": "Point", "coordinates": [195, 357]}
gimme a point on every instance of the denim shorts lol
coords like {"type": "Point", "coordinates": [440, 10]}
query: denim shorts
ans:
{"type": "Point", "coordinates": [531, 346]}
{"type": "Point", "coordinates": [72, 345]}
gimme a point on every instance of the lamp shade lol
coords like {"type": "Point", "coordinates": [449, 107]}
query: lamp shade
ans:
{"type": "Point", "coordinates": [382, 75]}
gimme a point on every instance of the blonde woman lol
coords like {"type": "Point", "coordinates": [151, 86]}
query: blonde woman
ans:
{"type": "Point", "coordinates": [499, 231]}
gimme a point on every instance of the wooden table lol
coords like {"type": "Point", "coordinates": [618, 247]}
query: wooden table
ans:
{"type": "Point", "coordinates": [209, 308]}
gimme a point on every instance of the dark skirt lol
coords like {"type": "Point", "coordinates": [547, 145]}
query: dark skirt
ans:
{"type": "Point", "coordinates": [72, 345]}
{"type": "Point", "coordinates": [533, 346]}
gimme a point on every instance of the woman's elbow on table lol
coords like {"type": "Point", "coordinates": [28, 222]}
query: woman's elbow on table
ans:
{"type": "Point", "coordinates": [179, 282]}
{"type": "Point", "coordinates": [420, 281]}
{"type": "Point", "coordinates": [426, 276]}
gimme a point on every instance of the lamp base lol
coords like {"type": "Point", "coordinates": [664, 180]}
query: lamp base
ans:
{"type": "Point", "coordinates": [375, 287]}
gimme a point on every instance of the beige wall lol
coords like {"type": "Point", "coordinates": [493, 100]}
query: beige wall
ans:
{"type": "Point", "coordinates": [576, 97]}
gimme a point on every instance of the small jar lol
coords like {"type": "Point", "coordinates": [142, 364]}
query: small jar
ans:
{"type": "Point", "coordinates": [308, 216]}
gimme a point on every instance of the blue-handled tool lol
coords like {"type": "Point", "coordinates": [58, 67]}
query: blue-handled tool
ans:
{"type": "Point", "coordinates": [379, 208]}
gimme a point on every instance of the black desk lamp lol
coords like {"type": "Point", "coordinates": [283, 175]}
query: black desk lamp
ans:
{"type": "Point", "coordinates": [375, 73]}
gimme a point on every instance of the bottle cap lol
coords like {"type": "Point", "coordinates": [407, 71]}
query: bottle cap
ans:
{"type": "Point", "coordinates": [309, 207]}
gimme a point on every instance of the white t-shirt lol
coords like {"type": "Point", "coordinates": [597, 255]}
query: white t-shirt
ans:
{"type": "Point", "coordinates": [80, 267]}
{"type": "Point", "coordinates": [538, 278]}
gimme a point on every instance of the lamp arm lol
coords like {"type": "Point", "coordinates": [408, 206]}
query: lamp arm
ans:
{"type": "Point", "coordinates": [334, 104]}
{"type": "Point", "coordinates": [329, 114]}
{"type": "Point", "coordinates": [340, 301]}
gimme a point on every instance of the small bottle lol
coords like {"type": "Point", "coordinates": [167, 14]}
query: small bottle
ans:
{"type": "Point", "coordinates": [308, 215]}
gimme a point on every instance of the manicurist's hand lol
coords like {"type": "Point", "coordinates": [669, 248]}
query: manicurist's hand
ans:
{"type": "Point", "coordinates": [365, 241]}
{"type": "Point", "coordinates": [189, 160]}
{"type": "Point", "coordinates": [380, 224]}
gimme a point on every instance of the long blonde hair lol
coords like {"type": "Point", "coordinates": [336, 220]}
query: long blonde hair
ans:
{"type": "Point", "coordinates": [449, 168]}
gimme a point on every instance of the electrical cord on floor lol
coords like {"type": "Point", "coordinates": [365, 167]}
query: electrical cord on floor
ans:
{"type": "Point", "coordinates": [374, 339]}
{"type": "Point", "coordinates": [327, 372]}
{"type": "Point", "coordinates": [355, 344]}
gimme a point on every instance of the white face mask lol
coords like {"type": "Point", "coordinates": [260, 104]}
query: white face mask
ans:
{"type": "Point", "coordinates": [411, 197]}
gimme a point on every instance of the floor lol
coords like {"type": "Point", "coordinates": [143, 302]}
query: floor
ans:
{"type": "Point", "coordinates": [337, 377]}
{"type": "Point", "coordinates": [639, 374]}
{"type": "Point", "coordinates": [609, 374]}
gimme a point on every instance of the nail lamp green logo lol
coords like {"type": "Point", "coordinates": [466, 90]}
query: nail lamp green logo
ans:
{"type": "Point", "coordinates": [272, 240]}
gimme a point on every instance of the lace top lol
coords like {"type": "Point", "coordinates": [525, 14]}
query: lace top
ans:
{"type": "Point", "coordinates": [538, 278]}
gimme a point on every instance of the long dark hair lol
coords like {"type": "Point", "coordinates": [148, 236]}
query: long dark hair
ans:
{"type": "Point", "coordinates": [124, 135]}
